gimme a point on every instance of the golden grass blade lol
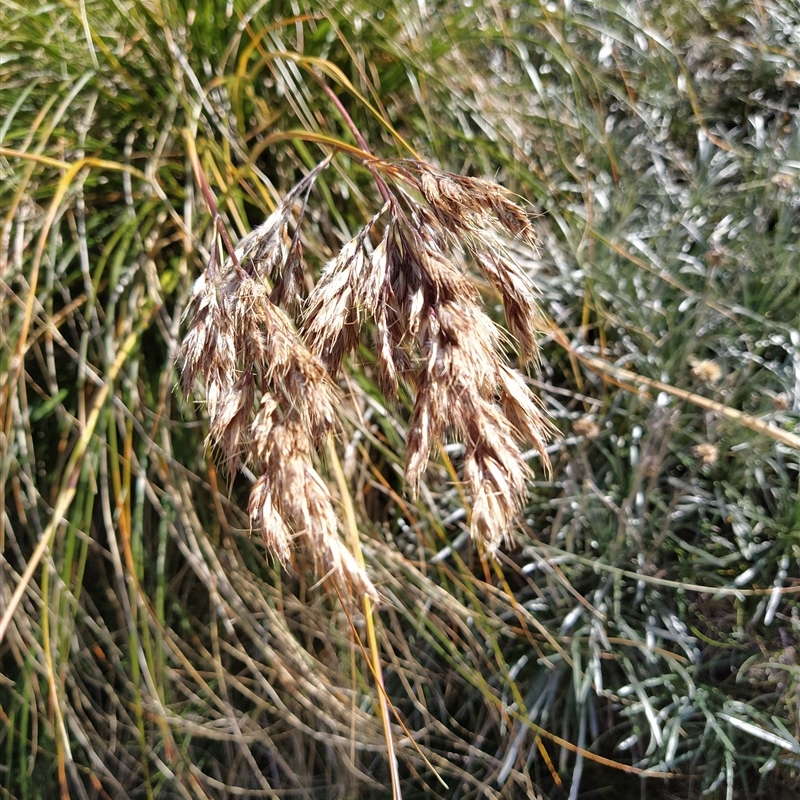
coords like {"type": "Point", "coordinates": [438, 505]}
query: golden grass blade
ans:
{"type": "Point", "coordinates": [330, 69]}
{"type": "Point", "coordinates": [626, 376]}
{"type": "Point", "coordinates": [767, 428]}
{"type": "Point", "coordinates": [73, 469]}
{"type": "Point", "coordinates": [355, 544]}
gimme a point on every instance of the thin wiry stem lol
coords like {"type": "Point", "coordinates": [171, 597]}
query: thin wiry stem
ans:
{"type": "Point", "coordinates": [379, 181]}
{"type": "Point", "coordinates": [369, 616]}
{"type": "Point", "coordinates": [208, 196]}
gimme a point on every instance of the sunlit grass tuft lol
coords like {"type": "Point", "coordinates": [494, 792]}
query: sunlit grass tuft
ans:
{"type": "Point", "coordinates": [645, 624]}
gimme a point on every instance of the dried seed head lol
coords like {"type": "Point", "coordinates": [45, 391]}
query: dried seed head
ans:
{"type": "Point", "coordinates": [239, 339]}
{"type": "Point", "coordinates": [460, 376]}
{"type": "Point", "coordinates": [789, 78]}
{"type": "Point", "coordinates": [265, 517]}
{"type": "Point", "coordinates": [262, 425]}
{"type": "Point", "coordinates": [263, 251]}
{"type": "Point", "coordinates": [199, 350]}
{"type": "Point", "coordinates": [782, 401]}
{"type": "Point", "coordinates": [514, 220]}
{"type": "Point", "coordinates": [715, 255]}
{"type": "Point", "coordinates": [303, 501]}
{"type": "Point", "coordinates": [519, 301]}
{"type": "Point", "coordinates": [498, 486]}
{"type": "Point", "coordinates": [346, 289]}
{"type": "Point", "coordinates": [269, 390]}
{"type": "Point", "coordinates": [525, 413]}
{"type": "Point", "coordinates": [706, 453]}
{"type": "Point", "coordinates": [465, 206]}
{"type": "Point", "coordinates": [229, 419]}
{"type": "Point", "coordinates": [707, 371]}
{"type": "Point", "coordinates": [586, 427]}
{"type": "Point", "coordinates": [430, 188]}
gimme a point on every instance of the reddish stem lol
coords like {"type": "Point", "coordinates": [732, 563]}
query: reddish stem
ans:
{"type": "Point", "coordinates": [212, 207]}
{"type": "Point", "coordinates": [381, 183]}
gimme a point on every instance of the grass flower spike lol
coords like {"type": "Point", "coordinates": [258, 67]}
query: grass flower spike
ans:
{"type": "Point", "coordinates": [271, 389]}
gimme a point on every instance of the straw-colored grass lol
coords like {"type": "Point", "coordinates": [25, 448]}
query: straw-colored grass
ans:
{"type": "Point", "coordinates": [267, 275]}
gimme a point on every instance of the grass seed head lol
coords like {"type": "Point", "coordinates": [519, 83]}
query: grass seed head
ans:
{"type": "Point", "coordinates": [586, 427]}
{"type": "Point", "coordinates": [706, 453]}
{"type": "Point", "coordinates": [707, 371]}
{"type": "Point", "coordinates": [270, 391]}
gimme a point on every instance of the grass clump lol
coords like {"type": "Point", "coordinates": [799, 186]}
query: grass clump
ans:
{"type": "Point", "coordinates": [644, 623]}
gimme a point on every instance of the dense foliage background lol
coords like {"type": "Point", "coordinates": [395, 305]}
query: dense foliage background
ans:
{"type": "Point", "coordinates": [648, 621]}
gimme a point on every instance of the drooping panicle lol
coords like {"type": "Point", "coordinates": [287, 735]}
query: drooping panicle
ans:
{"type": "Point", "coordinates": [270, 400]}
{"type": "Point", "coordinates": [271, 390]}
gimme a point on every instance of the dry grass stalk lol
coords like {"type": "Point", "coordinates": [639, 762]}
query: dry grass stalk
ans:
{"type": "Point", "coordinates": [270, 390]}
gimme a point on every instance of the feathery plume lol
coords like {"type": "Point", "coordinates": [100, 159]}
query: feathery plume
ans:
{"type": "Point", "coordinates": [270, 389]}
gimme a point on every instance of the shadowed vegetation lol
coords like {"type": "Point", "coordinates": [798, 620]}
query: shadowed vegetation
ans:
{"type": "Point", "coordinates": [641, 634]}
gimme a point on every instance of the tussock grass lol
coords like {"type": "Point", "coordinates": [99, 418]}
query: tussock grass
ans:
{"type": "Point", "coordinates": [645, 624]}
